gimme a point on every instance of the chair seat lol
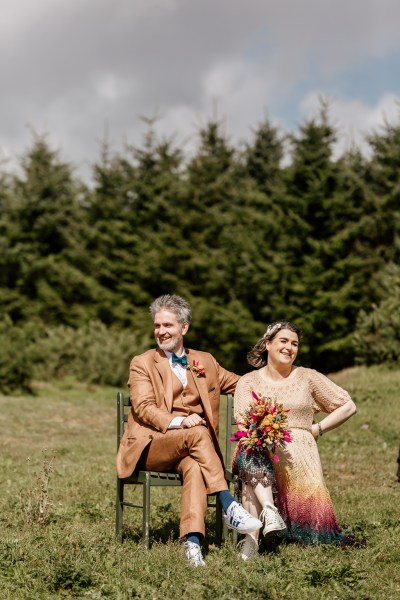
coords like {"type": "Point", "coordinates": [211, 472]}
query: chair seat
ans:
{"type": "Point", "coordinates": [156, 478]}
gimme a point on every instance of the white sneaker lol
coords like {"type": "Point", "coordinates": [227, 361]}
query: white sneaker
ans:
{"type": "Point", "coordinates": [248, 547]}
{"type": "Point", "coordinates": [272, 519]}
{"type": "Point", "coordinates": [238, 518]}
{"type": "Point", "coordinates": [194, 555]}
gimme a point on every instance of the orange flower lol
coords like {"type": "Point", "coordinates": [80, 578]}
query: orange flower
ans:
{"type": "Point", "coordinates": [197, 368]}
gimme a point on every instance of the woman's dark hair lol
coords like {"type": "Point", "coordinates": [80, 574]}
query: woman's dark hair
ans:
{"type": "Point", "coordinates": [258, 356]}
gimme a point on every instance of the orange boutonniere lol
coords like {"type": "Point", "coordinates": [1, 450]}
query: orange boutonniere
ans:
{"type": "Point", "coordinates": [197, 368]}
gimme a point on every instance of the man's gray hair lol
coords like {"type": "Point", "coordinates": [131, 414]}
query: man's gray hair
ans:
{"type": "Point", "coordinates": [173, 303]}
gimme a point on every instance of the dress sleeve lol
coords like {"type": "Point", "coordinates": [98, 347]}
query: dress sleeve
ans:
{"type": "Point", "coordinates": [242, 395]}
{"type": "Point", "coordinates": [326, 394]}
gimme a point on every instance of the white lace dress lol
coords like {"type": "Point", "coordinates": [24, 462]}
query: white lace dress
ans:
{"type": "Point", "coordinates": [302, 497]}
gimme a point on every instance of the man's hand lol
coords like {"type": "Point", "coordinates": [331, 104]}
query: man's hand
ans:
{"type": "Point", "coordinates": [192, 421]}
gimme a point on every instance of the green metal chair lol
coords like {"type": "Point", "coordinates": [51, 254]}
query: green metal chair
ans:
{"type": "Point", "coordinates": [152, 478]}
{"type": "Point", "coordinates": [229, 476]}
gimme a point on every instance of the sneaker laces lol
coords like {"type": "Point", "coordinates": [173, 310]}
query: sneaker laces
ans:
{"type": "Point", "coordinates": [269, 514]}
{"type": "Point", "coordinates": [270, 517]}
{"type": "Point", "coordinates": [193, 554]}
{"type": "Point", "coordinates": [237, 512]}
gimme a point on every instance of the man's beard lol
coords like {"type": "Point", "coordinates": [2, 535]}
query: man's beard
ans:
{"type": "Point", "coordinates": [169, 345]}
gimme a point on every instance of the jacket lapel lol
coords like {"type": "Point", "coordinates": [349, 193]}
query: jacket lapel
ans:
{"type": "Point", "coordinates": [201, 384]}
{"type": "Point", "coordinates": [161, 363]}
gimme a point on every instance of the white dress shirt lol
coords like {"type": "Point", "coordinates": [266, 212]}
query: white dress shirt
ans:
{"type": "Point", "coordinates": [181, 373]}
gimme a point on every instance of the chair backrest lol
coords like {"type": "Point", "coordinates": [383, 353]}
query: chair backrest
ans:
{"type": "Point", "coordinates": [122, 415]}
{"type": "Point", "coordinates": [230, 425]}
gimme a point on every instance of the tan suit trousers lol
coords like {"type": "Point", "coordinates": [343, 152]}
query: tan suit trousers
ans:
{"type": "Point", "coordinates": [191, 453]}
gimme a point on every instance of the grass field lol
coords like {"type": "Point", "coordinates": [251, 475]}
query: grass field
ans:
{"type": "Point", "coordinates": [58, 506]}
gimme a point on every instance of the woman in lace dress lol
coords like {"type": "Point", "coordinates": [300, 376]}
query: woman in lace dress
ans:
{"type": "Point", "coordinates": [304, 510]}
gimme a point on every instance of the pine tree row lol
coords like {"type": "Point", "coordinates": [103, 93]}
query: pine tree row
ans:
{"type": "Point", "coordinates": [246, 239]}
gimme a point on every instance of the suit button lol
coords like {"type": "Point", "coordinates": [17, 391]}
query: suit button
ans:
{"type": "Point", "coordinates": [184, 394]}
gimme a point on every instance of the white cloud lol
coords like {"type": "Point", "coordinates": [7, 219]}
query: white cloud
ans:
{"type": "Point", "coordinates": [78, 67]}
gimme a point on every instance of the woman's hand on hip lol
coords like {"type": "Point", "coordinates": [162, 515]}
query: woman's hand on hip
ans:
{"type": "Point", "coordinates": [315, 431]}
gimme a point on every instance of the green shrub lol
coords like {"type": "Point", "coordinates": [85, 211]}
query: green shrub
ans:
{"type": "Point", "coordinates": [16, 366]}
{"type": "Point", "coordinates": [93, 353]}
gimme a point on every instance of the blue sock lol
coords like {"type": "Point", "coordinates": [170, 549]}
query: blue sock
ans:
{"type": "Point", "coordinates": [194, 537]}
{"type": "Point", "coordinates": [226, 499]}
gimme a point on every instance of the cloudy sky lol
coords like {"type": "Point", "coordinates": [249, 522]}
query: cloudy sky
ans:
{"type": "Point", "coordinates": [84, 70]}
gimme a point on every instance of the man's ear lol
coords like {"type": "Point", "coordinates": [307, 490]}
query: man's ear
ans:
{"type": "Point", "coordinates": [185, 328]}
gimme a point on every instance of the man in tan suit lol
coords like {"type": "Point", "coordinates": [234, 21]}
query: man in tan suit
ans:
{"type": "Point", "coordinates": [173, 424]}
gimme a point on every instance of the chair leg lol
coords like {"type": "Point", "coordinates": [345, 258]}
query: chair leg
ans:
{"type": "Point", "coordinates": [235, 535]}
{"type": "Point", "coordinates": [119, 510]}
{"type": "Point", "coordinates": [146, 511]}
{"type": "Point", "coordinates": [218, 522]}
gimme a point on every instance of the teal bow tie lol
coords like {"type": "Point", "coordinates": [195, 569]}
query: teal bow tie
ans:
{"type": "Point", "coordinates": [179, 359]}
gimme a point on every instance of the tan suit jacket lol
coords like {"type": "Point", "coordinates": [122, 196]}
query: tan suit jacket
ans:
{"type": "Point", "coordinates": [150, 383]}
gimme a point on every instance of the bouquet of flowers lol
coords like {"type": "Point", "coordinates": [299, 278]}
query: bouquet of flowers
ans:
{"type": "Point", "coordinates": [263, 423]}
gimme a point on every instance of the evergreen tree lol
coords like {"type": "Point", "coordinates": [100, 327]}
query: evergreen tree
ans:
{"type": "Point", "coordinates": [10, 300]}
{"type": "Point", "coordinates": [50, 269]}
{"type": "Point", "coordinates": [244, 239]}
{"type": "Point", "coordinates": [314, 201]}
{"type": "Point", "coordinates": [377, 335]}
{"type": "Point", "coordinates": [133, 216]}
{"type": "Point", "coordinates": [112, 241]}
{"type": "Point", "coordinates": [159, 205]}
{"type": "Point", "coordinates": [383, 178]}
{"type": "Point", "coordinates": [215, 226]}
{"type": "Point", "coordinates": [212, 192]}
{"type": "Point", "coordinates": [263, 158]}
{"type": "Point", "coordinates": [261, 224]}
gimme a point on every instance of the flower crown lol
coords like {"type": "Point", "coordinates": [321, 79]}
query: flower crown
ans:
{"type": "Point", "coordinates": [272, 330]}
